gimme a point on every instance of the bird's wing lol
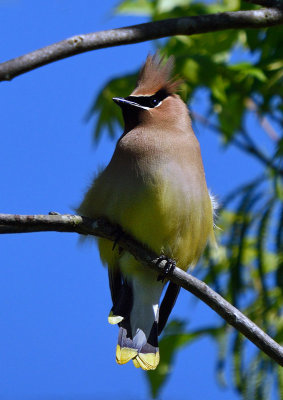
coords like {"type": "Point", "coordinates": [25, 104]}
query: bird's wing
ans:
{"type": "Point", "coordinates": [167, 305]}
{"type": "Point", "coordinates": [115, 282]}
{"type": "Point", "coordinates": [121, 294]}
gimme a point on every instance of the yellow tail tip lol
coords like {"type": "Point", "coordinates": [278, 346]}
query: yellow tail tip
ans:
{"type": "Point", "coordinates": [136, 363]}
{"type": "Point", "coordinates": [114, 319]}
{"type": "Point", "coordinates": [146, 361]}
{"type": "Point", "coordinates": [124, 354]}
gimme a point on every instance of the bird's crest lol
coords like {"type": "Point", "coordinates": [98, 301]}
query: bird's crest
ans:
{"type": "Point", "coordinates": [155, 75]}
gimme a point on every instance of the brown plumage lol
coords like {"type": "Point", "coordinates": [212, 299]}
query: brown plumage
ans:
{"type": "Point", "coordinates": [155, 188]}
{"type": "Point", "coordinates": [156, 75]}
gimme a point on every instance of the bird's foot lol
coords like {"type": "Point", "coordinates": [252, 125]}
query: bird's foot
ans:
{"type": "Point", "coordinates": [168, 269]}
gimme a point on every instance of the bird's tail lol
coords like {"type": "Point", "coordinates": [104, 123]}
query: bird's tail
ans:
{"type": "Point", "coordinates": [146, 356]}
{"type": "Point", "coordinates": [136, 311]}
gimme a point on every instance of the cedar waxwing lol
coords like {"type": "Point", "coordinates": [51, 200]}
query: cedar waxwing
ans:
{"type": "Point", "coordinates": [154, 187]}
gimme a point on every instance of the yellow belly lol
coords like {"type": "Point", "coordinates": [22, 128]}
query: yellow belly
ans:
{"type": "Point", "coordinates": [167, 219]}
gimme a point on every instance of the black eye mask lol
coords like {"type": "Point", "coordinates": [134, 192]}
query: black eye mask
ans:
{"type": "Point", "coordinates": [149, 101]}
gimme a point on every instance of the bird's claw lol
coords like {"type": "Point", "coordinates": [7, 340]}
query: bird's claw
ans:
{"type": "Point", "coordinates": [168, 269]}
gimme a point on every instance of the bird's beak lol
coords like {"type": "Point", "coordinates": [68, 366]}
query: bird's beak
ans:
{"type": "Point", "coordinates": [121, 101]}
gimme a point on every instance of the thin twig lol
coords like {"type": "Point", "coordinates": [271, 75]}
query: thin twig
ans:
{"type": "Point", "coordinates": [266, 126]}
{"type": "Point", "coordinates": [139, 33]}
{"type": "Point", "coordinates": [266, 3]}
{"type": "Point", "coordinates": [249, 146]}
{"type": "Point", "coordinates": [101, 227]}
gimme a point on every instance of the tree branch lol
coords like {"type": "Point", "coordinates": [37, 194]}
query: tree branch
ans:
{"type": "Point", "coordinates": [248, 146]}
{"type": "Point", "coordinates": [102, 228]}
{"type": "Point", "coordinates": [262, 18]}
{"type": "Point", "coordinates": [266, 3]}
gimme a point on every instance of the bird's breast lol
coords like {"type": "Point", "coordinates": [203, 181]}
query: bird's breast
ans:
{"type": "Point", "coordinates": [163, 206]}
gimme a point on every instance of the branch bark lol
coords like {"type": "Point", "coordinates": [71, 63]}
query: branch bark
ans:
{"type": "Point", "coordinates": [102, 228]}
{"type": "Point", "coordinates": [262, 18]}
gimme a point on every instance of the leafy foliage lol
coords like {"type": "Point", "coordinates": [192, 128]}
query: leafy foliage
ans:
{"type": "Point", "coordinates": [248, 270]}
{"type": "Point", "coordinates": [175, 338]}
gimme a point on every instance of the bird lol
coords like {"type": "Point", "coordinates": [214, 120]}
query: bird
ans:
{"type": "Point", "coordinates": [154, 188]}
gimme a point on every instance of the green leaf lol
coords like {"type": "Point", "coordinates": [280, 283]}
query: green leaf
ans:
{"type": "Point", "coordinates": [168, 346]}
{"type": "Point", "coordinates": [280, 381]}
{"type": "Point", "coordinates": [261, 260]}
{"type": "Point", "coordinates": [279, 248]}
{"type": "Point", "coordinates": [238, 375]}
{"type": "Point", "coordinates": [218, 88]}
{"type": "Point", "coordinates": [174, 338]}
{"type": "Point", "coordinates": [231, 114]}
{"type": "Point", "coordinates": [164, 6]}
{"type": "Point", "coordinates": [246, 69]}
{"type": "Point", "coordinates": [279, 148]}
{"type": "Point", "coordinates": [137, 7]}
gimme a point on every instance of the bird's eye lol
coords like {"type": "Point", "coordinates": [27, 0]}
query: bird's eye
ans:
{"type": "Point", "coordinates": [154, 101]}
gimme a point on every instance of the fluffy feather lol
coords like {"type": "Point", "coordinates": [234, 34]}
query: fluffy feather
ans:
{"type": "Point", "coordinates": [156, 75]}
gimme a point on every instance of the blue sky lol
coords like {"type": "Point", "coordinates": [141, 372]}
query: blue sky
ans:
{"type": "Point", "coordinates": [55, 342]}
